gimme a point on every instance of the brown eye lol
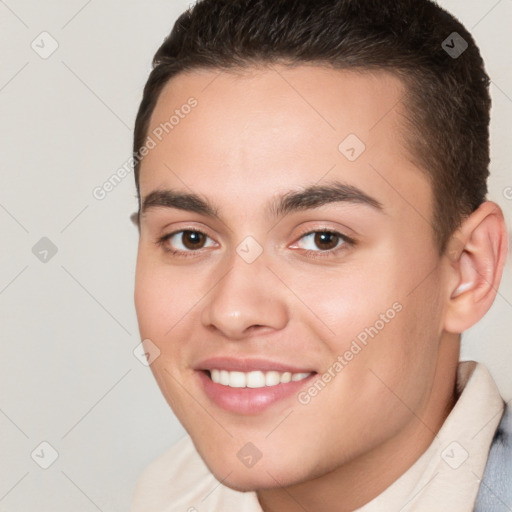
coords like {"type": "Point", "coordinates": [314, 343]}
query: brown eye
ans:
{"type": "Point", "coordinates": [324, 243]}
{"type": "Point", "coordinates": [193, 239]}
{"type": "Point", "coordinates": [185, 242]}
{"type": "Point", "coordinates": [326, 240]}
{"type": "Point", "coordinates": [323, 240]}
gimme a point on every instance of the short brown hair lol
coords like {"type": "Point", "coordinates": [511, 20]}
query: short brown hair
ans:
{"type": "Point", "coordinates": [447, 100]}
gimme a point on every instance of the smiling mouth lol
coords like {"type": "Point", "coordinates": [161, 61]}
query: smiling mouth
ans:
{"type": "Point", "coordinates": [254, 379]}
{"type": "Point", "coordinates": [247, 390]}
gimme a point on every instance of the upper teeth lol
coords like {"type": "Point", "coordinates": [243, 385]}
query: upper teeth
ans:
{"type": "Point", "coordinates": [256, 379]}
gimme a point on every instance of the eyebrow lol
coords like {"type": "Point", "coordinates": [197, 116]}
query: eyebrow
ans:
{"type": "Point", "coordinates": [309, 198]}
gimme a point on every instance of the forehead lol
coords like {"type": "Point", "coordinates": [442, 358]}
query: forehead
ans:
{"type": "Point", "coordinates": [264, 129]}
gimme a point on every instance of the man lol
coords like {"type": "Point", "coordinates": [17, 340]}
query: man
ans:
{"type": "Point", "coordinates": [314, 238]}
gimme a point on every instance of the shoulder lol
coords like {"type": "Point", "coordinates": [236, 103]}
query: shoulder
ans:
{"type": "Point", "coordinates": [504, 431]}
{"type": "Point", "coordinates": [179, 480]}
{"type": "Point", "coordinates": [496, 488]}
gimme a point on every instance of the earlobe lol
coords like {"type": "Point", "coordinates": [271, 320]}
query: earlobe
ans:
{"type": "Point", "coordinates": [478, 267]}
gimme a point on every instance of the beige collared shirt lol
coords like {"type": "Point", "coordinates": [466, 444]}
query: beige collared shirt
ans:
{"type": "Point", "coordinates": [444, 478]}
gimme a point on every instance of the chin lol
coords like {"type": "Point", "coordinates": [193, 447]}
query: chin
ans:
{"type": "Point", "coordinates": [252, 480]}
{"type": "Point", "coordinates": [259, 477]}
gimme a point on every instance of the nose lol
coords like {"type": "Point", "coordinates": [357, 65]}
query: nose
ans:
{"type": "Point", "coordinates": [247, 297]}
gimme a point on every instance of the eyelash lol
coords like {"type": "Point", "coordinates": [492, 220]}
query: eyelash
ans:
{"type": "Point", "coordinates": [347, 242]}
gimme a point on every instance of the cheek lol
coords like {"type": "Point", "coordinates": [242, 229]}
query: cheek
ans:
{"type": "Point", "coordinates": [397, 364]}
{"type": "Point", "coordinates": [354, 305]}
{"type": "Point", "coordinates": [387, 337]}
{"type": "Point", "coordinates": [150, 303]}
{"type": "Point", "coordinates": [161, 298]}
{"type": "Point", "coordinates": [159, 307]}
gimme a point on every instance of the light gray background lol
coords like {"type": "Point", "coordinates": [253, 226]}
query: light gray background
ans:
{"type": "Point", "coordinates": [68, 326]}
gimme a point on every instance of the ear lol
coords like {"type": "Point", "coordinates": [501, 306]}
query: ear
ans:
{"type": "Point", "coordinates": [477, 254]}
{"type": "Point", "coordinates": [134, 217]}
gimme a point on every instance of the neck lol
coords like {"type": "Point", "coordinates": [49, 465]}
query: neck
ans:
{"type": "Point", "coordinates": [354, 484]}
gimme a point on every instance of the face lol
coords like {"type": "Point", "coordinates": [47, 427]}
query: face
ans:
{"type": "Point", "coordinates": [294, 292]}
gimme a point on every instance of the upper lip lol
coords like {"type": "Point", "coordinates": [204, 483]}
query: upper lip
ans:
{"type": "Point", "coordinates": [249, 364]}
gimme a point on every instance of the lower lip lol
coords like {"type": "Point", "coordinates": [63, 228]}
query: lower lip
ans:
{"type": "Point", "coordinates": [249, 400]}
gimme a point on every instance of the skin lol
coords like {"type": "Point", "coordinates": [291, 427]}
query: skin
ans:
{"type": "Point", "coordinates": [252, 137]}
